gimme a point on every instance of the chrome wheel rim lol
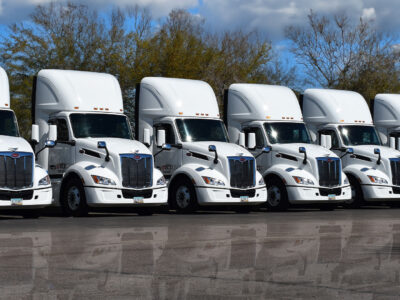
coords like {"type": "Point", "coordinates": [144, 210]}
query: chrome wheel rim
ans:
{"type": "Point", "coordinates": [274, 196]}
{"type": "Point", "coordinates": [73, 198]}
{"type": "Point", "coordinates": [183, 197]}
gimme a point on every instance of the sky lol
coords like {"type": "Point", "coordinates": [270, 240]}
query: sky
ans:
{"type": "Point", "coordinates": [269, 17]}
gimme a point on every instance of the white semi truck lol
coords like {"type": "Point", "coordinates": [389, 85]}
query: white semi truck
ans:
{"type": "Point", "coordinates": [268, 118]}
{"type": "Point", "coordinates": [96, 162]}
{"type": "Point", "coordinates": [203, 168]}
{"type": "Point", "coordinates": [345, 117]}
{"type": "Point", "coordinates": [23, 184]}
{"type": "Point", "coordinates": [386, 114]}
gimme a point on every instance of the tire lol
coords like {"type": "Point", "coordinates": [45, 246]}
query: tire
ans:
{"type": "Point", "coordinates": [277, 195]}
{"type": "Point", "coordinates": [144, 211]}
{"type": "Point", "coordinates": [356, 193]}
{"type": "Point", "coordinates": [73, 199]}
{"type": "Point", "coordinates": [31, 214]}
{"type": "Point", "coordinates": [183, 196]}
{"type": "Point", "coordinates": [328, 207]}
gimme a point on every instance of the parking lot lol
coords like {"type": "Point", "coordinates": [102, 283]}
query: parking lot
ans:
{"type": "Point", "coordinates": [297, 254]}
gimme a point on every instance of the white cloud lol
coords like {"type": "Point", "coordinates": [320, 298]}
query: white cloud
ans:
{"type": "Point", "coordinates": [368, 14]}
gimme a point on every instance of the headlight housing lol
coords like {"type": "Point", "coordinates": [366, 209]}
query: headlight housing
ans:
{"type": "Point", "coordinates": [161, 181]}
{"type": "Point", "coordinates": [261, 181]}
{"type": "Point", "coordinates": [378, 180]}
{"type": "Point", "coordinates": [103, 180]}
{"type": "Point", "coordinates": [45, 180]}
{"type": "Point", "coordinates": [302, 180]}
{"type": "Point", "coordinates": [213, 181]}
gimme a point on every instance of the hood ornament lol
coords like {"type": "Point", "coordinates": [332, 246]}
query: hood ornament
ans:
{"type": "Point", "coordinates": [13, 149]}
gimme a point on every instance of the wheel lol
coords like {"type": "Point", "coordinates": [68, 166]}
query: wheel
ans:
{"type": "Point", "coordinates": [144, 211]}
{"type": "Point", "coordinates": [357, 198]}
{"type": "Point", "coordinates": [183, 196]}
{"type": "Point", "coordinates": [277, 195]}
{"type": "Point", "coordinates": [328, 207]}
{"type": "Point", "coordinates": [242, 209]}
{"type": "Point", "coordinates": [73, 199]}
{"type": "Point", "coordinates": [30, 214]}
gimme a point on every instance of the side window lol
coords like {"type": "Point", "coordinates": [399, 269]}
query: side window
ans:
{"type": "Point", "coordinates": [169, 132]}
{"type": "Point", "coordinates": [332, 133]}
{"type": "Point", "coordinates": [259, 136]}
{"type": "Point", "coordinates": [62, 129]}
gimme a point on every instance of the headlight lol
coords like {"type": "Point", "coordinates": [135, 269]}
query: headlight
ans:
{"type": "Point", "coordinates": [346, 181]}
{"type": "Point", "coordinates": [45, 180]}
{"type": "Point", "coordinates": [103, 180]}
{"type": "Point", "coordinates": [302, 180]}
{"type": "Point", "coordinates": [213, 181]}
{"type": "Point", "coordinates": [261, 181]}
{"type": "Point", "coordinates": [161, 181]}
{"type": "Point", "coordinates": [378, 180]}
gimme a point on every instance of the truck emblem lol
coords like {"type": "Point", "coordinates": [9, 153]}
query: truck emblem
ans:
{"type": "Point", "coordinates": [15, 155]}
{"type": "Point", "coordinates": [329, 160]}
{"type": "Point", "coordinates": [137, 157]}
{"type": "Point", "coordinates": [242, 159]}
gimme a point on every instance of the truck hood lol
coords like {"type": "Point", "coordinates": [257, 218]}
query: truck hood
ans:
{"type": "Point", "coordinates": [368, 150]}
{"type": "Point", "coordinates": [115, 145]}
{"type": "Point", "coordinates": [11, 143]}
{"type": "Point", "coordinates": [313, 151]}
{"type": "Point", "coordinates": [223, 149]}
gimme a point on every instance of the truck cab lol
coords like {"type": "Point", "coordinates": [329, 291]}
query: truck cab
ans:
{"type": "Point", "coordinates": [24, 185]}
{"type": "Point", "coordinates": [267, 120]}
{"type": "Point", "coordinates": [202, 167]}
{"type": "Point", "coordinates": [96, 162]}
{"type": "Point", "coordinates": [345, 118]}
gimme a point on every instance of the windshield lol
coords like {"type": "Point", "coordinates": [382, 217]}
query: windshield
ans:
{"type": "Point", "coordinates": [201, 130]}
{"type": "Point", "coordinates": [100, 125]}
{"type": "Point", "coordinates": [8, 123]}
{"type": "Point", "coordinates": [359, 135]}
{"type": "Point", "coordinates": [286, 133]}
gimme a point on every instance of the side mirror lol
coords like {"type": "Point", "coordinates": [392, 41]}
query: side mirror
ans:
{"type": "Point", "coordinates": [101, 145]}
{"type": "Point", "coordinates": [146, 137]}
{"type": "Point", "coordinates": [212, 148]}
{"type": "Point", "coordinates": [322, 140]}
{"type": "Point", "coordinates": [328, 142]}
{"type": "Point", "coordinates": [398, 143]}
{"type": "Point", "coordinates": [377, 151]}
{"type": "Point", "coordinates": [166, 147]}
{"type": "Point", "coordinates": [251, 140]}
{"type": "Point", "coordinates": [242, 139]}
{"type": "Point", "coordinates": [303, 150]}
{"type": "Point", "coordinates": [52, 133]}
{"type": "Point", "coordinates": [267, 149]}
{"type": "Point", "coordinates": [160, 137]}
{"type": "Point", "coordinates": [35, 133]}
{"type": "Point", "coordinates": [392, 142]}
{"type": "Point", "coordinates": [350, 150]}
{"type": "Point", "coordinates": [49, 144]}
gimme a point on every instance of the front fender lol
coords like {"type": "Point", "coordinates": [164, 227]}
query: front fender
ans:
{"type": "Point", "coordinates": [361, 173]}
{"type": "Point", "coordinates": [286, 173]}
{"type": "Point", "coordinates": [38, 174]}
{"type": "Point", "coordinates": [196, 171]}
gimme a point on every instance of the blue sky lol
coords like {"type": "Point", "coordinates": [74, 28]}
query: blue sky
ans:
{"type": "Point", "coordinates": [269, 17]}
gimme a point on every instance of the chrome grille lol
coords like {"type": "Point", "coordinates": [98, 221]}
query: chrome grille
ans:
{"type": "Point", "coordinates": [137, 170]}
{"type": "Point", "coordinates": [243, 171]}
{"type": "Point", "coordinates": [395, 167]}
{"type": "Point", "coordinates": [329, 170]}
{"type": "Point", "coordinates": [16, 170]}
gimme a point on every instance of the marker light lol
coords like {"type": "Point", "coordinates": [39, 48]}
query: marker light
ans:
{"type": "Point", "coordinates": [76, 107]}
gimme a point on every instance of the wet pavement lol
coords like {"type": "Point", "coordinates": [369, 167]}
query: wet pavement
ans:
{"type": "Point", "coordinates": [347, 254]}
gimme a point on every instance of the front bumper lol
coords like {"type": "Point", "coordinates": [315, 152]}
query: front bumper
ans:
{"type": "Point", "coordinates": [218, 196]}
{"type": "Point", "coordinates": [40, 198]}
{"type": "Point", "coordinates": [103, 197]}
{"type": "Point", "coordinates": [310, 195]}
{"type": "Point", "coordinates": [379, 193]}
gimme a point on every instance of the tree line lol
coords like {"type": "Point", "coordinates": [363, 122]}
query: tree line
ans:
{"type": "Point", "coordinates": [130, 44]}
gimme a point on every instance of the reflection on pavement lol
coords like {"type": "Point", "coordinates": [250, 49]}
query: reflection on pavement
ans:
{"type": "Point", "coordinates": [328, 259]}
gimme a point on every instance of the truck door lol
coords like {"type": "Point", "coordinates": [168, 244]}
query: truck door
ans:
{"type": "Point", "coordinates": [264, 160]}
{"type": "Point", "coordinates": [62, 155]}
{"type": "Point", "coordinates": [167, 161]}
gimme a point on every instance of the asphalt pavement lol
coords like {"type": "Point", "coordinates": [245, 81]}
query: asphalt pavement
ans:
{"type": "Point", "coordinates": [346, 254]}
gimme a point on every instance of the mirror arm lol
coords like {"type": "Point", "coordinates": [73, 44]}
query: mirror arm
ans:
{"type": "Point", "coordinates": [37, 153]}
{"type": "Point", "coordinates": [305, 158]}
{"type": "Point", "coordinates": [158, 152]}
{"type": "Point", "coordinates": [379, 159]}
{"type": "Point", "coordinates": [107, 158]}
{"type": "Point", "coordinates": [216, 157]}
